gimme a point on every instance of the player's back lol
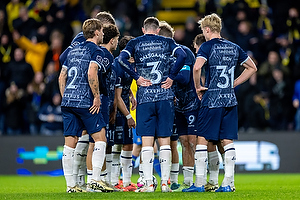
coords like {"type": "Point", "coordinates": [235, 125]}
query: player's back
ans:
{"type": "Point", "coordinates": [152, 61]}
{"type": "Point", "coordinates": [186, 96]}
{"type": "Point", "coordinates": [151, 57]}
{"type": "Point", "coordinates": [124, 81]}
{"type": "Point", "coordinates": [77, 91]}
{"type": "Point", "coordinates": [222, 58]}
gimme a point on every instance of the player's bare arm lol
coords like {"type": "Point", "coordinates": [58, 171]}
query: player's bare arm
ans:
{"type": "Point", "coordinates": [197, 77]}
{"type": "Point", "coordinates": [132, 100]}
{"type": "Point", "coordinates": [250, 69]}
{"type": "Point", "coordinates": [62, 80]}
{"type": "Point", "coordinates": [141, 81]}
{"type": "Point", "coordinates": [123, 109]}
{"type": "Point", "coordinates": [94, 85]}
{"type": "Point", "coordinates": [167, 83]}
{"type": "Point", "coordinates": [113, 113]}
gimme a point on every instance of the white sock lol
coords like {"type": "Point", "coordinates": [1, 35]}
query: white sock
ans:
{"type": "Point", "coordinates": [188, 175]}
{"type": "Point", "coordinates": [148, 157]}
{"type": "Point", "coordinates": [126, 163]}
{"type": "Point", "coordinates": [141, 173]}
{"type": "Point", "coordinates": [223, 160]}
{"type": "Point", "coordinates": [174, 173]}
{"type": "Point", "coordinates": [89, 175]}
{"type": "Point", "coordinates": [230, 157]}
{"type": "Point", "coordinates": [98, 159]}
{"type": "Point", "coordinates": [213, 166]}
{"type": "Point", "coordinates": [201, 165]}
{"type": "Point", "coordinates": [103, 176]}
{"type": "Point", "coordinates": [115, 164]}
{"type": "Point", "coordinates": [67, 163]}
{"type": "Point", "coordinates": [108, 167]}
{"type": "Point", "coordinates": [79, 165]}
{"type": "Point", "coordinates": [165, 163]}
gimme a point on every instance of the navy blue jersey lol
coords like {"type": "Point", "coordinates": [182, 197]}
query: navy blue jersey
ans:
{"type": "Point", "coordinates": [77, 40]}
{"type": "Point", "coordinates": [77, 92]}
{"type": "Point", "coordinates": [152, 54]}
{"type": "Point", "coordinates": [124, 81]}
{"type": "Point", "coordinates": [222, 57]}
{"type": "Point", "coordinates": [111, 86]}
{"type": "Point", "coordinates": [184, 89]}
{"type": "Point", "coordinates": [105, 73]}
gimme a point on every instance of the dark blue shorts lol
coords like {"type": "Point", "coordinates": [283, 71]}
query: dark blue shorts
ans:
{"type": "Point", "coordinates": [218, 123]}
{"type": "Point", "coordinates": [110, 133]}
{"type": "Point", "coordinates": [77, 119]}
{"type": "Point", "coordinates": [123, 134]}
{"type": "Point", "coordinates": [186, 123]}
{"type": "Point", "coordinates": [155, 118]}
{"type": "Point", "coordinates": [104, 109]}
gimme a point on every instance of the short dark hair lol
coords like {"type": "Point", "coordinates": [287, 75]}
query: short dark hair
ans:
{"type": "Point", "coordinates": [123, 41]}
{"type": "Point", "coordinates": [106, 18]}
{"type": "Point", "coordinates": [110, 31]}
{"type": "Point", "coordinates": [199, 39]}
{"type": "Point", "coordinates": [151, 23]}
{"type": "Point", "coordinates": [90, 26]}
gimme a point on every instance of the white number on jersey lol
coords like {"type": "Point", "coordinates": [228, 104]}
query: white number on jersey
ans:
{"type": "Point", "coordinates": [228, 75]}
{"type": "Point", "coordinates": [155, 71]}
{"type": "Point", "coordinates": [73, 74]}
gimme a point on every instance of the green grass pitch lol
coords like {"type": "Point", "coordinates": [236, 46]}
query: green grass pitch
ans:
{"type": "Point", "coordinates": [248, 186]}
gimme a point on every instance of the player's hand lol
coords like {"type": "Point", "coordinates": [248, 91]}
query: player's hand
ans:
{"type": "Point", "coordinates": [143, 82]}
{"type": "Point", "coordinates": [112, 117]}
{"type": "Point", "coordinates": [167, 83]}
{"type": "Point", "coordinates": [96, 105]}
{"type": "Point", "coordinates": [131, 123]}
{"type": "Point", "coordinates": [200, 91]}
{"type": "Point", "coordinates": [133, 103]}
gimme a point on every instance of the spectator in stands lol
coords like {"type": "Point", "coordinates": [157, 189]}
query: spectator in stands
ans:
{"type": "Point", "coordinates": [35, 7]}
{"type": "Point", "coordinates": [56, 48]}
{"type": "Point", "coordinates": [6, 55]}
{"type": "Point", "coordinates": [246, 39]}
{"type": "Point", "coordinates": [280, 105]}
{"type": "Point", "coordinates": [33, 102]}
{"type": "Point", "coordinates": [266, 69]}
{"type": "Point", "coordinates": [265, 32]}
{"type": "Point", "coordinates": [18, 70]}
{"type": "Point", "coordinates": [293, 23]}
{"type": "Point", "coordinates": [55, 19]}
{"type": "Point", "coordinates": [24, 24]}
{"type": "Point", "coordinates": [285, 50]}
{"type": "Point", "coordinates": [3, 22]}
{"type": "Point", "coordinates": [13, 109]}
{"type": "Point", "coordinates": [253, 106]}
{"type": "Point", "coordinates": [51, 82]}
{"type": "Point", "coordinates": [191, 30]}
{"type": "Point", "coordinates": [12, 11]}
{"type": "Point", "coordinates": [50, 116]}
{"type": "Point", "coordinates": [229, 15]}
{"type": "Point", "coordinates": [35, 50]}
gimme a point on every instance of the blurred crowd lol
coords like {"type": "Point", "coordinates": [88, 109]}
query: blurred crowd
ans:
{"type": "Point", "coordinates": [35, 32]}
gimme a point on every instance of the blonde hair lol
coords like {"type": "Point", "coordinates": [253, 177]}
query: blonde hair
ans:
{"type": "Point", "coordinates": [90, 26]}
{"type": "Point", "coordinates": [166, 29]}
{"type": "Point", "coordinates": [212, 21]}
